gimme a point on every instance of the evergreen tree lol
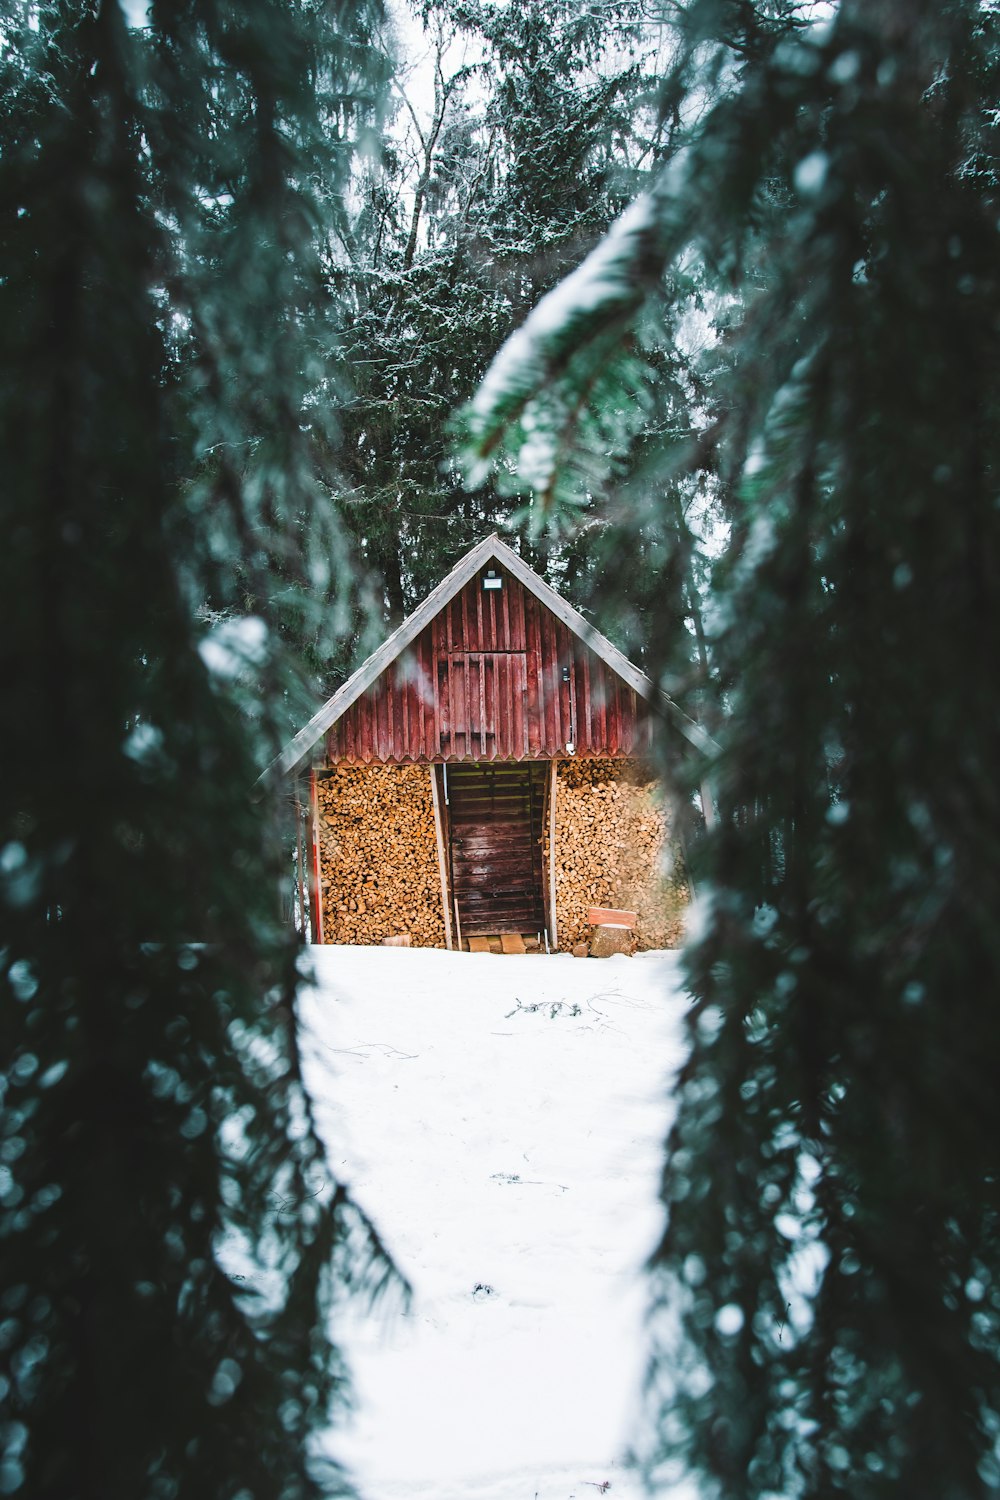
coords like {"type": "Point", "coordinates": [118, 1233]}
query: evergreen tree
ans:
{"type": "Point", "coordinates": [536, 136]}
{"type": "Point", "coordinates": [171, 1237]}
{"type": "Point", "coordinates": [829, 1279]}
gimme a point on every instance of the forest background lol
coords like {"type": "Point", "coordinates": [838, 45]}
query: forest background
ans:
{"type": "Point", "coordinates": [248, 279]}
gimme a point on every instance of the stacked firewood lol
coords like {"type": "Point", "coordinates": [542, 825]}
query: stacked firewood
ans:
{"type": "Point", "coordinates": [378, 856]}
{"type": "Point", "coordinates": [613, 849]}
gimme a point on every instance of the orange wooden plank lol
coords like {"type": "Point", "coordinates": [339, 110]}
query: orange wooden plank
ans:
{"type": "Point", "coordinates": [609, 916]}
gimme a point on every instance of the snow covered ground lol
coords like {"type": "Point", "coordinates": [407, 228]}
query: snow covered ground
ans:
{"type": "Point", "coordinates": [501, 1120]}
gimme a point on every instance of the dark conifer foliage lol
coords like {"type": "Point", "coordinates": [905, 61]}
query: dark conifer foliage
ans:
{"type": "Point", "coordinates": [534, 141]}
{"type": "Point", "coordinates": [169, 1228]}
{"type": "Point", "coordinates": [830, 1274]}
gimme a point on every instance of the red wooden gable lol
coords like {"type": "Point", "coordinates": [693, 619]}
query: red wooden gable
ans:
{"type": "Point", "coordinates": [493, 675]}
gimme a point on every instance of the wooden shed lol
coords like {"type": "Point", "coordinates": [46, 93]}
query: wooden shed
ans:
{"type": "Point", "coordinates": [430, 787]}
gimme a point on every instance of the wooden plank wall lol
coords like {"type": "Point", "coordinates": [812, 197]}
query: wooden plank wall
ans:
{"type": "Point", "coordinates": [494, 676]}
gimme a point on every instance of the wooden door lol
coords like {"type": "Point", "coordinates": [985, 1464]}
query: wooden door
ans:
{"type": "Point", "coordinates": [481, 696]}
{"type": "Point", "coordinates": [496, 846]}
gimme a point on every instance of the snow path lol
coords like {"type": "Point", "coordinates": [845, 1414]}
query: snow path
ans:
{"type": "Point", "coordinates": [501, 1120]}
